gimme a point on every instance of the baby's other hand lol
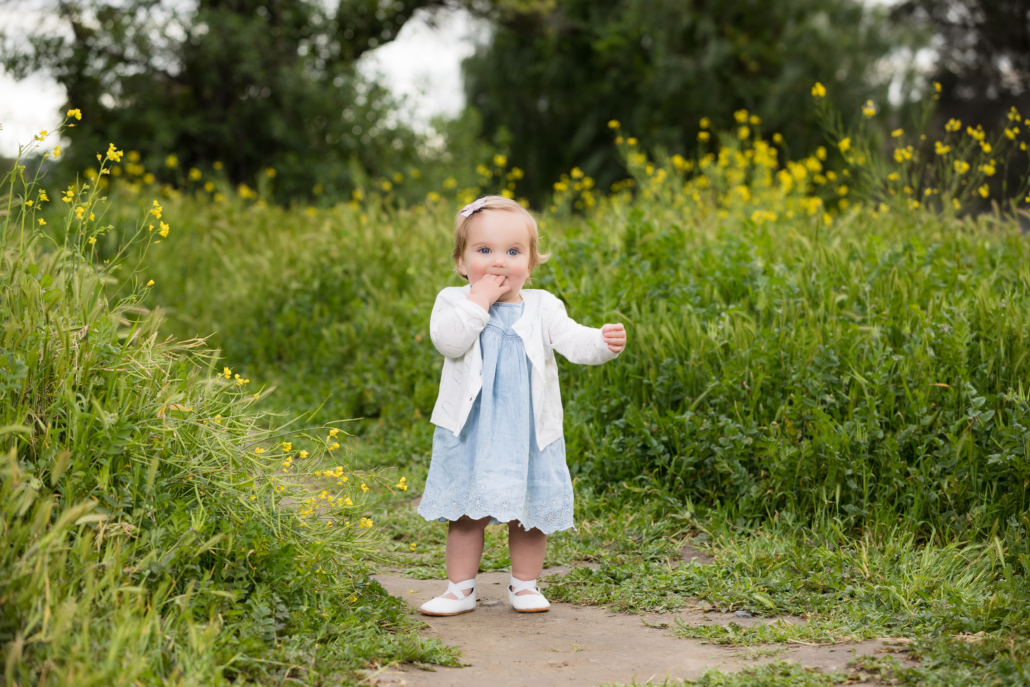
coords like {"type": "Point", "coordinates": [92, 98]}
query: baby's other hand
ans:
{"type": "Point", "coordinates": [615, 337]}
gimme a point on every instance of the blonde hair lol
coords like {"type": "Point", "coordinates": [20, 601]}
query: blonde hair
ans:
{"type": "Point", "coordinates": [497, 203]}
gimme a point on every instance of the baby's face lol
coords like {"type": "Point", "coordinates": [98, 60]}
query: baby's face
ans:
{"type": "Point", "coordinates": [497, 243]}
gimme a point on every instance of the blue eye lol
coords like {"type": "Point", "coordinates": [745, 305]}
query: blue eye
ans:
{"type": "Point", "coordinates": [484, 250]}
{"type": "Point", "coordinates": [513, 252]}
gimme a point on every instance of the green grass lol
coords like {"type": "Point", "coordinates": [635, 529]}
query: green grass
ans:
{"type": "Point", "coordinates": [837, 403]}
{"type": "Point", "coordinates": [150, 530]}
{"type": "Point", "coordinates": [875, 368]}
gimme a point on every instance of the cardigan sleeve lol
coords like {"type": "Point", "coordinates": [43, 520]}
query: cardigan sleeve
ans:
{"type": "Point", "coordinates": [581, 345]}
{"type": "Point", "coordinates": [455, 324]}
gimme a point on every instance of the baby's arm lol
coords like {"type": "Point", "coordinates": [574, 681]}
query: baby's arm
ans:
{"type": "Point", "coordinates": [456, 324]}
{"type": "Point", "coordinates": [584, 345]}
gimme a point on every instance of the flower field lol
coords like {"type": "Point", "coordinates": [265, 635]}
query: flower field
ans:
{"type": "Point", "coordinates": [831, 343]}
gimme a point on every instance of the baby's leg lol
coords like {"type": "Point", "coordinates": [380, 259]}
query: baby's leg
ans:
{"type": "Point", "coordinates": [464, 549]}
{"type": "Point", "coordinates": [527, 551]}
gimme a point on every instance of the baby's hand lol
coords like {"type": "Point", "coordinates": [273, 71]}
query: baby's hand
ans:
{"type": "Point", "coordinates": [615, 337]}
{"type": "Point", "coordinates": [487, 290]}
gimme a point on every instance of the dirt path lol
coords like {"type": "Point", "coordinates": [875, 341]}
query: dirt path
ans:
{"type": "Point", "coordinates": [579, 645]}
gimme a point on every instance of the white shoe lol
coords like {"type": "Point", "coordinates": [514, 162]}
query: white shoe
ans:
{"type": "Point", "coordinates": [463, 604]}
{"type": "Point", "coordinates": [527, 603]}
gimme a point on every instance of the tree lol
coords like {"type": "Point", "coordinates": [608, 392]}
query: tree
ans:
{"type": "Point", "coordinates": [983, 49]}
{"type": "Point", "coordinates": [244, 83]}
{"type": "Point", "coordinates": [556, 72]}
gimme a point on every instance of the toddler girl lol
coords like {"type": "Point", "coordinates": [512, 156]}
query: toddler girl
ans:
{"type": "Point", "coordinates": [498, 450]}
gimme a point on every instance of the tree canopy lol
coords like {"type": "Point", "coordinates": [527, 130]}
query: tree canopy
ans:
{"type": "Point", "coordinates": [983, 49]}
{"type": "Point", "coordinates": [556, 72]}
{"type": "Point", "coordinates": [241, 84]}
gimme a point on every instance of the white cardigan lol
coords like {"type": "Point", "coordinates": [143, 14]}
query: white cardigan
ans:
{"type": "Point", "coordinates": [544, 327]}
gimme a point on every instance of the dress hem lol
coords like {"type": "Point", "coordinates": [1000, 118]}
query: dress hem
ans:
{"type": "Point", "coordinates": [503, 520]}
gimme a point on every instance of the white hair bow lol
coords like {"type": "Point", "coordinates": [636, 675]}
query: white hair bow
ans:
{"type": "Point", "coordinates": [474, 206]}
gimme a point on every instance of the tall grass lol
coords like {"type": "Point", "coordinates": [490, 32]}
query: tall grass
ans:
{"type": "Point", "coordinates": [157, 527]}
{"type": "Point", "coordinates": [865, 361]}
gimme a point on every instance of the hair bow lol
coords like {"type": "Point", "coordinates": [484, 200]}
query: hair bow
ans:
{"type": "Point", "coordinates": [472, 207]}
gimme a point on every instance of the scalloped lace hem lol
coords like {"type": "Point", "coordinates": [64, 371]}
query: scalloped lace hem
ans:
{"type": "Point", "coordinates": [548, 518]}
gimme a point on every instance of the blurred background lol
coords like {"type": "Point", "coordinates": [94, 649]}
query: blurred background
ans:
{"type": "Point", "coordinates": [406, 96]}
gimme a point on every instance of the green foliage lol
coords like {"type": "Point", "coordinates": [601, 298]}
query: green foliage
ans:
{"type": "Point", "coordinates": [977, 82]}
{"type": "Point", "coordinates": [965, 661]}
{"type": "Point", "coordinates": [151, 533]}
{"type": "Point", "coordinates": [882, 585]}
{"type": "Point", "coordinates": [246, 84]}
{"type": "Point", "coordinates": [873, 369]}
{"type": "Point", "coordinates": [555, 73]}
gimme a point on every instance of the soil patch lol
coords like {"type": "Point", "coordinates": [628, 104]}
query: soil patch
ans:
{"type": "Point", "coordinates": [580, 645]}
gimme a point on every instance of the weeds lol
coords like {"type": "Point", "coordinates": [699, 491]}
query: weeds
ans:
{"type": "Point", "coordinates": [152, 529]}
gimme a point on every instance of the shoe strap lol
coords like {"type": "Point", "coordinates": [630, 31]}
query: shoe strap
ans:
{"type": "Point", "coordinates": [518, 585]}
{"type": "Point", "coordinates": [458, 588]}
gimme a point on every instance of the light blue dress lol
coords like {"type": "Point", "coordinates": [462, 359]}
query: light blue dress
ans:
{"type": "Point", "coordinates": [494, 466]}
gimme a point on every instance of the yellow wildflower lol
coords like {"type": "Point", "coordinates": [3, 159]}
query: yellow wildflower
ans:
{"type": "Point", "coordinates": [941, 149]}
{"type": "Point", "coordinates": [75, 113]}
{"type": "Point", "coordinates": [956, 203]}
{"type": "Point", "coordinates": [705, 122]}
{"type": "Point", "coordinates": [259, 451]}
{"type": "Point", "coordinates": [778, 138]}
{"type": "Point", "coordinates": [631, 141]}
{"type": "Point", "coordinates": [897, 133]}
{"type": "Point", "coordinates": [988, 169]}
{"type": "Point", "coordinates": [703, 136]}
{"type": "Point", "coordinates": [984, 190]}
{"type": "Point", "coordinates": [818, 90]}
{"type": "Point", "coordinates": [42, 222]}
{"type": "Point", "coordinates": [57, 152]}
{"type": "Point", "coordinates": [961, 166]}
{"type": "Point", "coordinates": [195, 174]}
{"type": "Point", "coordinates": [172, 161]}
{"type": "Point", "coordinates": [743, 132]}
{"type": "Point", "coordinates": [614, 124]}
{"type": "Point", "coordinates": [986, 146]}
{"type": "Point", "coordinates": [869, 110]}
{"type": "Point", "coordinates": [844, 145]}
{"type": "Point", "coordinates": [113, 154]}
{"type": "Point", "coordinates": [364, 487]}
{"type": "Point", "coordinates": [953, 125]}
{"type": "Point", "coordinates": [164, 230]}
{"type": "Point", "coordinates": [740, 116]}
{"type": "Point", "coordinates": [156, 210]}
{"type": "Point", "coordinates": [150, 283]}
